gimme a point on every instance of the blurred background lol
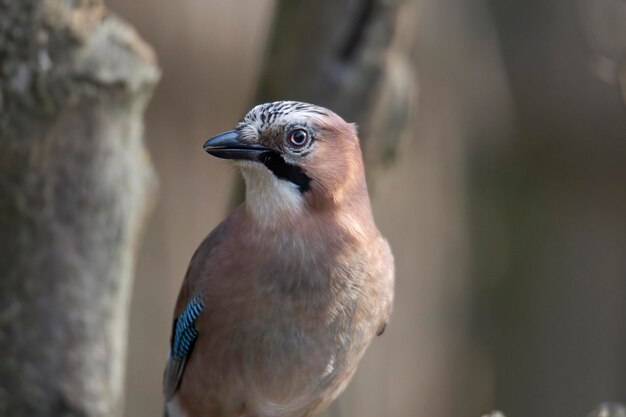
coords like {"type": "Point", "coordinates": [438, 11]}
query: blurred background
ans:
{"type": "Point", "coordinates": [494, 134]}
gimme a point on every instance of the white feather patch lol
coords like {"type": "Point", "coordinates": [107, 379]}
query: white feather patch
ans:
{"type": "Point", "coordinates": [270, 199]}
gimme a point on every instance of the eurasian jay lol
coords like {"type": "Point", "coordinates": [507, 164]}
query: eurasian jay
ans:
{"type": "Point", "coordinates": [282, 298]}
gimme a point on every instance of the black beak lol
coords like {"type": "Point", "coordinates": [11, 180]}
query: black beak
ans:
{"type": "Point", "coordinates": [227, 145]}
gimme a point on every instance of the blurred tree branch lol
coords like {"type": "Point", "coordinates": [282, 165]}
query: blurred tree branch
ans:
{"type": "Point", "coordinates": [75, 187]}
{"type": "Point", "coordinates": [341, 55]}
{"type": "Point", "coordinates": [546, 210]}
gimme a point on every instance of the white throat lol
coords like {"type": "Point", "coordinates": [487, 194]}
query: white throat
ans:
{"type": "Point", "coordinates": [270, 200]}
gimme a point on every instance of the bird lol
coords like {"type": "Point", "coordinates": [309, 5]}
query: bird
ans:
{"type": "Point", "coordinates": [282, 298]}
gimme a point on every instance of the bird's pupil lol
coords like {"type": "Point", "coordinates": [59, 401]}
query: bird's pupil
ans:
{"type": "Point", "coordinates": [298, 137]}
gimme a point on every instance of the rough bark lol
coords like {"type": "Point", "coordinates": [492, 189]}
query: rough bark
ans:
{"type": "Point", "coordinates": [75, 186]}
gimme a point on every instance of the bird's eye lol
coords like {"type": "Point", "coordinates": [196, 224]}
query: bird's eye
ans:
{"type": "Point", "coordinates": [298, 138]}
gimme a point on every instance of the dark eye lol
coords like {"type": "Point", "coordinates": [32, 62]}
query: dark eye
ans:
{"type": "Point", "coordinates": [298, 138]}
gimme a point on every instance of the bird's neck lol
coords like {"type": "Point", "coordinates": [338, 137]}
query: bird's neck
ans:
{"type": "Point", "coordinates": [271, 202]}
{"type": "Point", "coordinates": [278, 206]}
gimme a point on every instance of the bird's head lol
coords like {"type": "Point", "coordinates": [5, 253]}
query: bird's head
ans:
{"type": "Point", "coordinates": [294, 157]}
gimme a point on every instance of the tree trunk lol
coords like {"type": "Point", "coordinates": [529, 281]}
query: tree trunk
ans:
{"type": "Point", "coordinates": [75, 187]}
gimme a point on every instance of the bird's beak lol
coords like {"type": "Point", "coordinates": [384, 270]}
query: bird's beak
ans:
{"type": "Point", "coordinates": [228, 145]}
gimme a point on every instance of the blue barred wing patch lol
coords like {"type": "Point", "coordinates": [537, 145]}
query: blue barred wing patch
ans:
{"type": "Point", "coordinates": [185, 333]}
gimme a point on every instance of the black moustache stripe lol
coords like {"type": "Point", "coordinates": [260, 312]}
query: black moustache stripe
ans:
{"type": "Point", "coordinates": [281, 169]}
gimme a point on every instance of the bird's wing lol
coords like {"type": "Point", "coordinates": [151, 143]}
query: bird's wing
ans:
{"type": "Point", "coordinates": [184, 335]}
{"type": "Point", "coordinates": [189, 306]}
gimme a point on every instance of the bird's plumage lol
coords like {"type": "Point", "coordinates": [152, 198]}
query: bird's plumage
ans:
{"type": "Point", "coordinates": [282, 298]}
{"type": "Point", "coordinates": [184, 335]}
